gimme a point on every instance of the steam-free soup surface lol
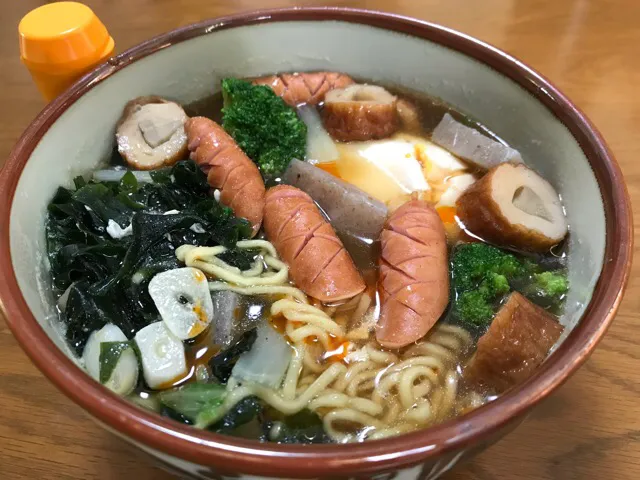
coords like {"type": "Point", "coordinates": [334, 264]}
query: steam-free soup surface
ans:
{"type": "Point", "coordinates": [311, 260]}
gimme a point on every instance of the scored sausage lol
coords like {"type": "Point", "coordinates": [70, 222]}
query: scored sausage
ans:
{"type": "Point", "coordinates": [319, 264]}
{"type": "Point", "coordinates": [228, 168]}
{"type": "Point", "coordinates": [414, 279]}
{"type": "Point", "coordinates": [297, 88]}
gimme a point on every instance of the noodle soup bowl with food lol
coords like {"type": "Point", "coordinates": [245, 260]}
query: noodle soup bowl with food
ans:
{"type": "Point", "coordinates": [405, 253]}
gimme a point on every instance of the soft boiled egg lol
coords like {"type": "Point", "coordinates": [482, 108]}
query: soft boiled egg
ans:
{"type": "Point", "coordinates": [384, 169]}
{"type": "Point", "coordinates": [394, 168]}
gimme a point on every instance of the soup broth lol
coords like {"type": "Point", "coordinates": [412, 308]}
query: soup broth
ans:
{"type": "Point", "coordinates": [358, 298]}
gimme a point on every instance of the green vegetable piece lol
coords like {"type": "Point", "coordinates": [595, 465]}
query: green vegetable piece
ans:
{"type": "Point", "coordinates": [199, 402]}
{"type": "Point", "coordinates": [480, 277]}
{"type": "Point", "coordinates": [472, 307]}
{"type": "Point", "coordinates": [303, 427]}
{"type": "Point", "coordinates": [243, 412]}
{"type": "Point", "coordinates": [263, 125]}
{"type": "Point", "coordinates": [547, 289]}
{"type": "Point", "coordinates": [129, 183]}
{"type": "Point", "coordinates": [551, 284]}
{"type": "Point", "coordinates": [110, 353]}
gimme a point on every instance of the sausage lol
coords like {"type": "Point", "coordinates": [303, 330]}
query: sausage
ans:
{"type": "Point", "coordinates": [228, 169]}
{"type": "Point", "coordinates": [297, 88]}
{"type": "Point", "coordinates": [413, 282]}
{"type": "Point", "coordinates": [319, 264]}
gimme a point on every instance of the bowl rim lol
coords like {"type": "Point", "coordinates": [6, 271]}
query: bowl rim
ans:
{"type": "Point", "coordinates": [229, 454]}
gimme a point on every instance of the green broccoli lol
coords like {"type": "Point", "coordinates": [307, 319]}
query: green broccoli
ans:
{"type": "Point", "coordinates": [547, 289]}
{"type": "Point", "coordinates": [263, 125]}
{"type": "Point", "coordinates": [481, 275]}
{"type": "Point", "coordinates": [551, 284]}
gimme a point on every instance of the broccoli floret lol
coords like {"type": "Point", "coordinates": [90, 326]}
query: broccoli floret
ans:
{"type": "Point", "coordinates": [551, 284]}
{"type": "Point", "coordinates": [263, 125]}
{"type": "Point", "coordinates": [547, 288]}
{"type": "Point", "coordinates": [472, 307]}
{"type": "Point", "coordinates": [481, 275]}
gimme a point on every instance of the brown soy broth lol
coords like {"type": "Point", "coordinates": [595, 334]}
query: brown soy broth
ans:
{"type": "Point", "coordinates": [365, 252]}
{"type": "Point", "coordinates": [431, 109]}
{"type": "Point", "coordinates": [210, 107]}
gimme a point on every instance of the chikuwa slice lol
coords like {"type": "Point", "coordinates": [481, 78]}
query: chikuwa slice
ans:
{"type": "Point", "coordinates": [162, 355]}
{"type": "Point", "coordinates": [123, 366]}
{"type": "Point", "coordinates": [151, 134]}
{"type": "Point", "coordinates": [513, 206]}
{"type": "Point", "coordinates": [360, 112]}
{"type": "Point", "coordinates": [183, 299]}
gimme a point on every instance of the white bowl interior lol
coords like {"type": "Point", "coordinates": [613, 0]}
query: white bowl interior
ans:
{"type": "Point", "coordinates": [83, 136]}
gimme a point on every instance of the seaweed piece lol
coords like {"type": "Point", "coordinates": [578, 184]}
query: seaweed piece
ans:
{"type": "Point", "coordinates": [222, 364]}
{"type": "Point", "coordinates": [303, 427]}
{"type": "Point", "coordinates": [242, 413]}
{"type": "Point", "coordinates": [110, 275]}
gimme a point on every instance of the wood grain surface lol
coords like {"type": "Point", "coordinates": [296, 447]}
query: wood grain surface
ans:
{"type": "Point", "coordinates": [590, 429]}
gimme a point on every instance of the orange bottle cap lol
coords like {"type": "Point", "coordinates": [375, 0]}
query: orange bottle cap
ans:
{"type": "Point", "coordinates": [63, 36]}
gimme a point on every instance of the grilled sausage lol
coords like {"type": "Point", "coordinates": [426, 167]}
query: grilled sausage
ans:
{"type": "Point", "coordinates": [297, 88]}
{"type": "Point", "coordinates": [228, 168]}
{"type": "Point", "coordinates": [414, 280]}
{"type": "Point", "coordinates": [319, 264]}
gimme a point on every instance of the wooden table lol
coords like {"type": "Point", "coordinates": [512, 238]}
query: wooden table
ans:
{"type": "Point", "coordinates": [590, 429]}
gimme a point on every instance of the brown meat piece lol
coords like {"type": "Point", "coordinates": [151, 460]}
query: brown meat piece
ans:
{"type": "Point", "coordinates": [297, 88]}
{"type": "Point", "coordinates": [516, 343]}
{"type": "Point", "coordinates": [319, 264]}
{"type": "Point", "coordinates": [414, 279]}
{"type": "Point", "coordinates": [229, 169]}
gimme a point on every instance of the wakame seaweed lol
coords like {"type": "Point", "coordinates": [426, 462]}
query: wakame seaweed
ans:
{"type": "Point", "coordinates": [107, 277]}
{"type": "Point", "coordinates": [222, 363]}
{"type": "Point", "coordinates": [246, 410]}
{"type": "Point", "coordinates": [302, 427]}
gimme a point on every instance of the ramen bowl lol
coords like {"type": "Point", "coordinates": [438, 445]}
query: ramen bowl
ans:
{"type": "Point", "coordinates": [74, 134]}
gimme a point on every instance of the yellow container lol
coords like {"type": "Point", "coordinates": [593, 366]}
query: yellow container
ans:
{"type": "Point", "coordinates": [59, 42]}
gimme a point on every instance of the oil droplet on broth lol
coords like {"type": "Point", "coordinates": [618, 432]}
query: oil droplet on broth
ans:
{"type": "Point", "coordinates": [199, 351]}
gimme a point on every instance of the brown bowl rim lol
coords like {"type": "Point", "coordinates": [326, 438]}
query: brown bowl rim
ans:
{"type": "Point", "coordinates": [230, 454]}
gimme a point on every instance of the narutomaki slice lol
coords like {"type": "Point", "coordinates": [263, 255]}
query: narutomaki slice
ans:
{"type": "Point", "coordinates": [319, 264]}
{"type": "Point", "coordinates": [297, 88]}
{"type": "Point", "coordinates": [414, 278]}
{"type": "Point", "coordinates": [228, 168]}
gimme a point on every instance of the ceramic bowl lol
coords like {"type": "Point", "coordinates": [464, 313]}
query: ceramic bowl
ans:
{"type": "Point", "coordinates": [75, 133]}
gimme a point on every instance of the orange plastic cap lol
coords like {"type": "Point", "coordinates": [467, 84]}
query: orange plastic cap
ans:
{"type": "Point", "coordinates": [63, 35]}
